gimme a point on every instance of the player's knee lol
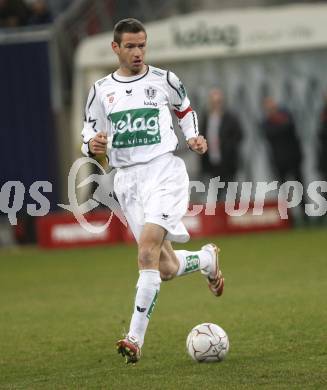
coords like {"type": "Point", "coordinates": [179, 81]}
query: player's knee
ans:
{"type": "Point", "coordinates": [166, 276]}
{"type": "Point", "coordinates": [148, 256]}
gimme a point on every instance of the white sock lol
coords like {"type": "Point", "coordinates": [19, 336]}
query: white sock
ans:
{"type": "Point", "coordinates": [148, 286]}
{"type": "Point", "coordinates": [192, 261]}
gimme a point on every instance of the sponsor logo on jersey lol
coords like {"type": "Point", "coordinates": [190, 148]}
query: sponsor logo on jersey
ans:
{"type": "Point", "coordinates": [129, 92]}
{"type": "Point", "coordinates": [150, 92]}
{"type": "Point", "coordinates": [138, 127]}
{"type": "Point", "coordinates": [150, 103]}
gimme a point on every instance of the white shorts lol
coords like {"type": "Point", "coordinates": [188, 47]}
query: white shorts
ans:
{"type": "Point", "coordinates": [156, 192]}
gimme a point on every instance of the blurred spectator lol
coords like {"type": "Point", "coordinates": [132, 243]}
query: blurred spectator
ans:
{"type": "Point", "coordinates": [284, 146]}
{"type": "Point", "coordinates": [224, 134]}
{"type": "Point", "coordinates": [39, 12]}
{"type": "Point", "coordinates": [322, 141]}
{"type": "Point", "coordinates": [13, 13]}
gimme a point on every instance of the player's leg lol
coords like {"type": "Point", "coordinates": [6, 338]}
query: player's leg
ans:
{"type": "Point", "coordinates": [173, 203]}
{"type": "Point", "coordinates": [168, 262]}
{"type": "Point", "coordinates": [148, 286]}
{"type": "Point", "coordinates": [181, 262]}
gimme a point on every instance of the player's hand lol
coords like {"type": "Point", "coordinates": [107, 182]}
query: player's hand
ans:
{"type": "Point", "coordinates": [198, 144]}
{"type": "Point", "coordinates": [98, 144]}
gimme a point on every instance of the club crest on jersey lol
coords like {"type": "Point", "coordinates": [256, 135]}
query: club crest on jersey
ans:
{"type": "Point", "coordinates": [150, 92]}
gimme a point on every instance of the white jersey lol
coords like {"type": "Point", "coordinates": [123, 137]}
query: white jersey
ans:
{"type": "Point", "coordinates": [135, 114]}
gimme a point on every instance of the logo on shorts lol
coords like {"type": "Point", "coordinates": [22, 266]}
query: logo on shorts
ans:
{"type": "Point", "coordinates": [150, 92]}
{"type": "Point", "coordinates": [138, 127]}
{"type": "Point", "coordinates": [165, 217]}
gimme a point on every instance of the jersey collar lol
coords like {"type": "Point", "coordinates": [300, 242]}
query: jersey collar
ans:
{"type": "Point", "coordinates": [129, 79]}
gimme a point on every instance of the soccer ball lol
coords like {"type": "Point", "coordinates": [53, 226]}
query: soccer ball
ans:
{"type": "Point", "coordinates": [207, 343]}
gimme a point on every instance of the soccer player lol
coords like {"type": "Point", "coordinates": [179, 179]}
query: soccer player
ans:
{"type": "Point", "coordinates": [131, 108]}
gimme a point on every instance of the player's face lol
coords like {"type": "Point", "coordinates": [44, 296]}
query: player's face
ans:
{"type": "Point", "coordinates": [131, 52]}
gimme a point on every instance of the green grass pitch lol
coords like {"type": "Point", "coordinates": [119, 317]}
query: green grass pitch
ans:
{"type": "Point", "coordinates": [61, 313]}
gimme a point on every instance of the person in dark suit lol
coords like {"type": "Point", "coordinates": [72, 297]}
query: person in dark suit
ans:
{"type": "Point", "coordinates": [283, 142]}
{"type": "Point", "coordinates": [224, 134]}
{"type": "Point", "coordinates": [284, 146]}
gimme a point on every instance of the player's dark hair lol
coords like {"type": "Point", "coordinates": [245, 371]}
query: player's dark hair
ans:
{"type": "Point", "coordinates": [128, 25]}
